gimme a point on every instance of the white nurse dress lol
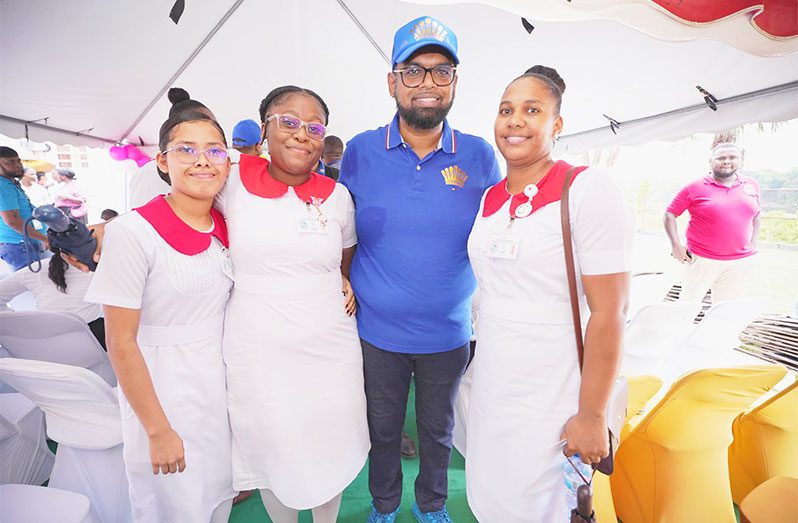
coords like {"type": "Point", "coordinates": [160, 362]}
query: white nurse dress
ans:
{"type": "Point", "coordinates": [525, 373]}
{"type": "Point", "coordinates": [294, 364]}
{"type": "Point", "coordinates": [180, 279]}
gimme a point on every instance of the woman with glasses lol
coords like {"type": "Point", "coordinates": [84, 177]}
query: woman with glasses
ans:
{"type": "Point", "coordinates": [528, 403]}
{"type": "Point", "coordinates": [294, 367]}
{"type": "Point", "coordinates": [164, 280]}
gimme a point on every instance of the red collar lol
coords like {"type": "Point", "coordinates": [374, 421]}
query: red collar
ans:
{"type": "Point", "coordinates": [549, 190]}
{"type": "Point", "coordinates": [177, 233]}
{"type": "Point", "coordinates": [254, 172]}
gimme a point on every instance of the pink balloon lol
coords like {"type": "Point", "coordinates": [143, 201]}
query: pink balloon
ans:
{"type": "Point", "coordinates": [129, 148]}
{"type": "Point", "coordinates": [117, 153]}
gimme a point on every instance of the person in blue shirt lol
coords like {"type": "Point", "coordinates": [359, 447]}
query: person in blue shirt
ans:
{"type": "Point", "coordinates": [417, 185]}
{"type": "Point", "coordinates": [15, 209]}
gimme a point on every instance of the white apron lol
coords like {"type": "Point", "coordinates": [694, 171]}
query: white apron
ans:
{"type": "Point", "coordinates": [525, 373]}
{"type": "Point", "coordinates": [182, 301]}
{"type": "Point", "coordinates": [294, 364]}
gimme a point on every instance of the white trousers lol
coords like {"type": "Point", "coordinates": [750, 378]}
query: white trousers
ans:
{"type": "Point", "coordinates": [726, 278]}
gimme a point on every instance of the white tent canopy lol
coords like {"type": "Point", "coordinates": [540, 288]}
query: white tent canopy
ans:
{"type": "Point", "coordinates": [101, 69]}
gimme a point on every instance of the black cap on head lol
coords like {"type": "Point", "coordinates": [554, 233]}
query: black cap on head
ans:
{"type": "Point", "coordinates": [69, 173]}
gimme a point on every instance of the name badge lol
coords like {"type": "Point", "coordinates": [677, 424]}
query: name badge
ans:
{"type": "Point", "coordinates": [311, 225]}
{"type": "Point", "coordinates": [503, 247]}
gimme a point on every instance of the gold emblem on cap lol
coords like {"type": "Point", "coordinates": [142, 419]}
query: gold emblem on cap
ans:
{"type": "Point", "coordinates": [429, 28]}
{"type": "Point", "coordinates": [454, 175]}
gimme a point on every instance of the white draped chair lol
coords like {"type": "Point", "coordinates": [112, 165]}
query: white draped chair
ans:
{"type": "Point", "coordinates": [28, 504]}
{"type": "Point", "coordinates": [82, 414]}
{"type": "Point", "coordinates": [24, 455]}
{"type": "Point", "coordinates": [654, 333]}
{"type": "Point", "coordinates": [58, 337]}
{"type": "Point", "coordinates": [712, 342]}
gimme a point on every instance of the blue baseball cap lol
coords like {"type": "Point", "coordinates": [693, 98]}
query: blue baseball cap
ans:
{"type": "Point", "coordinates": [246, 133]}
{"type": "Point", "coordinates": [422, 32]}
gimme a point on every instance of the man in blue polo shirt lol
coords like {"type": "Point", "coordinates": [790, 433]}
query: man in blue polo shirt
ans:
{"type": "Point", "coordinates": [417, 184]}
{"type": "Point", "coordinates": [15, 209]}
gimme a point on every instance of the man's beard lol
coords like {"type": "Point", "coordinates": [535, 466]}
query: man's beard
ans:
{"type": "Point", "coordinates": [723, 174]}
{"type": "Point", "coordinates": [10, 174]}
{"type": "Point", "coordinates": [424, 118]}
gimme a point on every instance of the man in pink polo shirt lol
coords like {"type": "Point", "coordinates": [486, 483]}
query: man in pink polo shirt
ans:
{"type": "Point", "coordinates": [721, 234]}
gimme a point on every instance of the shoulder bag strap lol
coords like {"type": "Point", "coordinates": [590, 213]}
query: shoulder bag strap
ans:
{"type": "Point", "coordinates": [570, 268]}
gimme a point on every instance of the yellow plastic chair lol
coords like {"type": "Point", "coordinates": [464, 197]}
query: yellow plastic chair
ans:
{"type": "Point", "coordinates": [774, 501]}
{"type": "Point", "coordinates": [673, 466]}
{"type": "Point", "coordinates": [641, 390]}
{"type": "Point", "coordinates": [765, 443]}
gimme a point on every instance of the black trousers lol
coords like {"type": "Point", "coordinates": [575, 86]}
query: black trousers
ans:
{"type": "Point", "coordinates": [387, 379]}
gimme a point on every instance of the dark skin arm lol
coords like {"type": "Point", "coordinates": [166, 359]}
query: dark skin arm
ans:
{"type": "Point", "coordinates": [349, 295]}
{"type": "Point", "coordinates": [13, 219]}
{"type": "Point", "coordinates": [586, 431]}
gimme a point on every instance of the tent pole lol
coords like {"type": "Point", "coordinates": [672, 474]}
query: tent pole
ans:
{"type": "Point", "coordinates": [182, 68]}
{"type": "Point", "coordinates": [693, 108]}
{"type": "Point", "coordinates": [35, 123]}
{"type": "Point", "coordinates": [364, 31]}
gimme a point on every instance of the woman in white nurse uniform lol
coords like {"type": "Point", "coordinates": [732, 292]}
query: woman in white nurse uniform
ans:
{"type": "Point", "coordinates": [164, 280]}
{"type": "Point", "coordinates": [294, 365]}
{"type": "Point", "coordinates": [527, 396]}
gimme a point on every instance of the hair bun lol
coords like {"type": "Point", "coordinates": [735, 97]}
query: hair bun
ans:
{"type": "Point", "coordinates": [177, 95]}
{"type": "Point", "coordinates": [550, 73]}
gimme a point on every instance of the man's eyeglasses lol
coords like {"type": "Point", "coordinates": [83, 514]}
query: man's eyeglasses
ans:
{"type": "Point", "coordinates": [187, 154]}
{"type": "Point", "coordinates": [292, 124]}
{"type": "Point", "coordinates": [414, 75]}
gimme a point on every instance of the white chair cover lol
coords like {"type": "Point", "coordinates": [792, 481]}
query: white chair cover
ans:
{"type": "Point", "coordinates": [83, 417]}
{"type": "Point", "coordinates": [82, 410]}
{"type": "Point", "coordinates": [656, 331]}
{"type": "Point", "coordinates": [24, 455]}
{"type": "Point", "coordinates": [711, 344]}
{"type": "Point", "coordinates": [31, 504]}
{"type": "Point", "coordinates": [59, 337]}
{"type": "Point", "coordinates": [98, 474]}
{"type": "Point", "coordinates": [724, 322]}
{"type": "Point", "coordinates": [646, 289]}
{"type": "Point", "coordinates": [5, 387]}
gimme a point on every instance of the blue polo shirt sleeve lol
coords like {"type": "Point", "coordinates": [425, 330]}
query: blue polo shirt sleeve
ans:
{"type": "Point", "coordinates": [347, 171]}
{"type": "Point", "coordinates": [495, 174]}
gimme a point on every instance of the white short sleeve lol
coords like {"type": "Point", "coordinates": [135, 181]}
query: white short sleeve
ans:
{"type": "Point", "coordinates": [603, 224]}
{"type": "Point", "coordinates": [348, 225]}
{"type": "Point", "coordinates": [220, 201]}
{"type": "Point", "coordinates": [121, 275]}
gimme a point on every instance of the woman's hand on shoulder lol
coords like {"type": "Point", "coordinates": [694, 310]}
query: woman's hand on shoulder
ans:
{"type": "Point", "coordinates": [587, 435]}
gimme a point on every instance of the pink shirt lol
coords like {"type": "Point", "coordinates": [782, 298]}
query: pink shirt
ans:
{"type": "Point", "coordinates": [721, 218]}
{"type": "Point", "coordinates": [71, 191]}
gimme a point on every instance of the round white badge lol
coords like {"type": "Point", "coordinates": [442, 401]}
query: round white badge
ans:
{"type": "Point", "coordinates": [530, 190]}
{"type": "Point", "coordinates": [523, 210]}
